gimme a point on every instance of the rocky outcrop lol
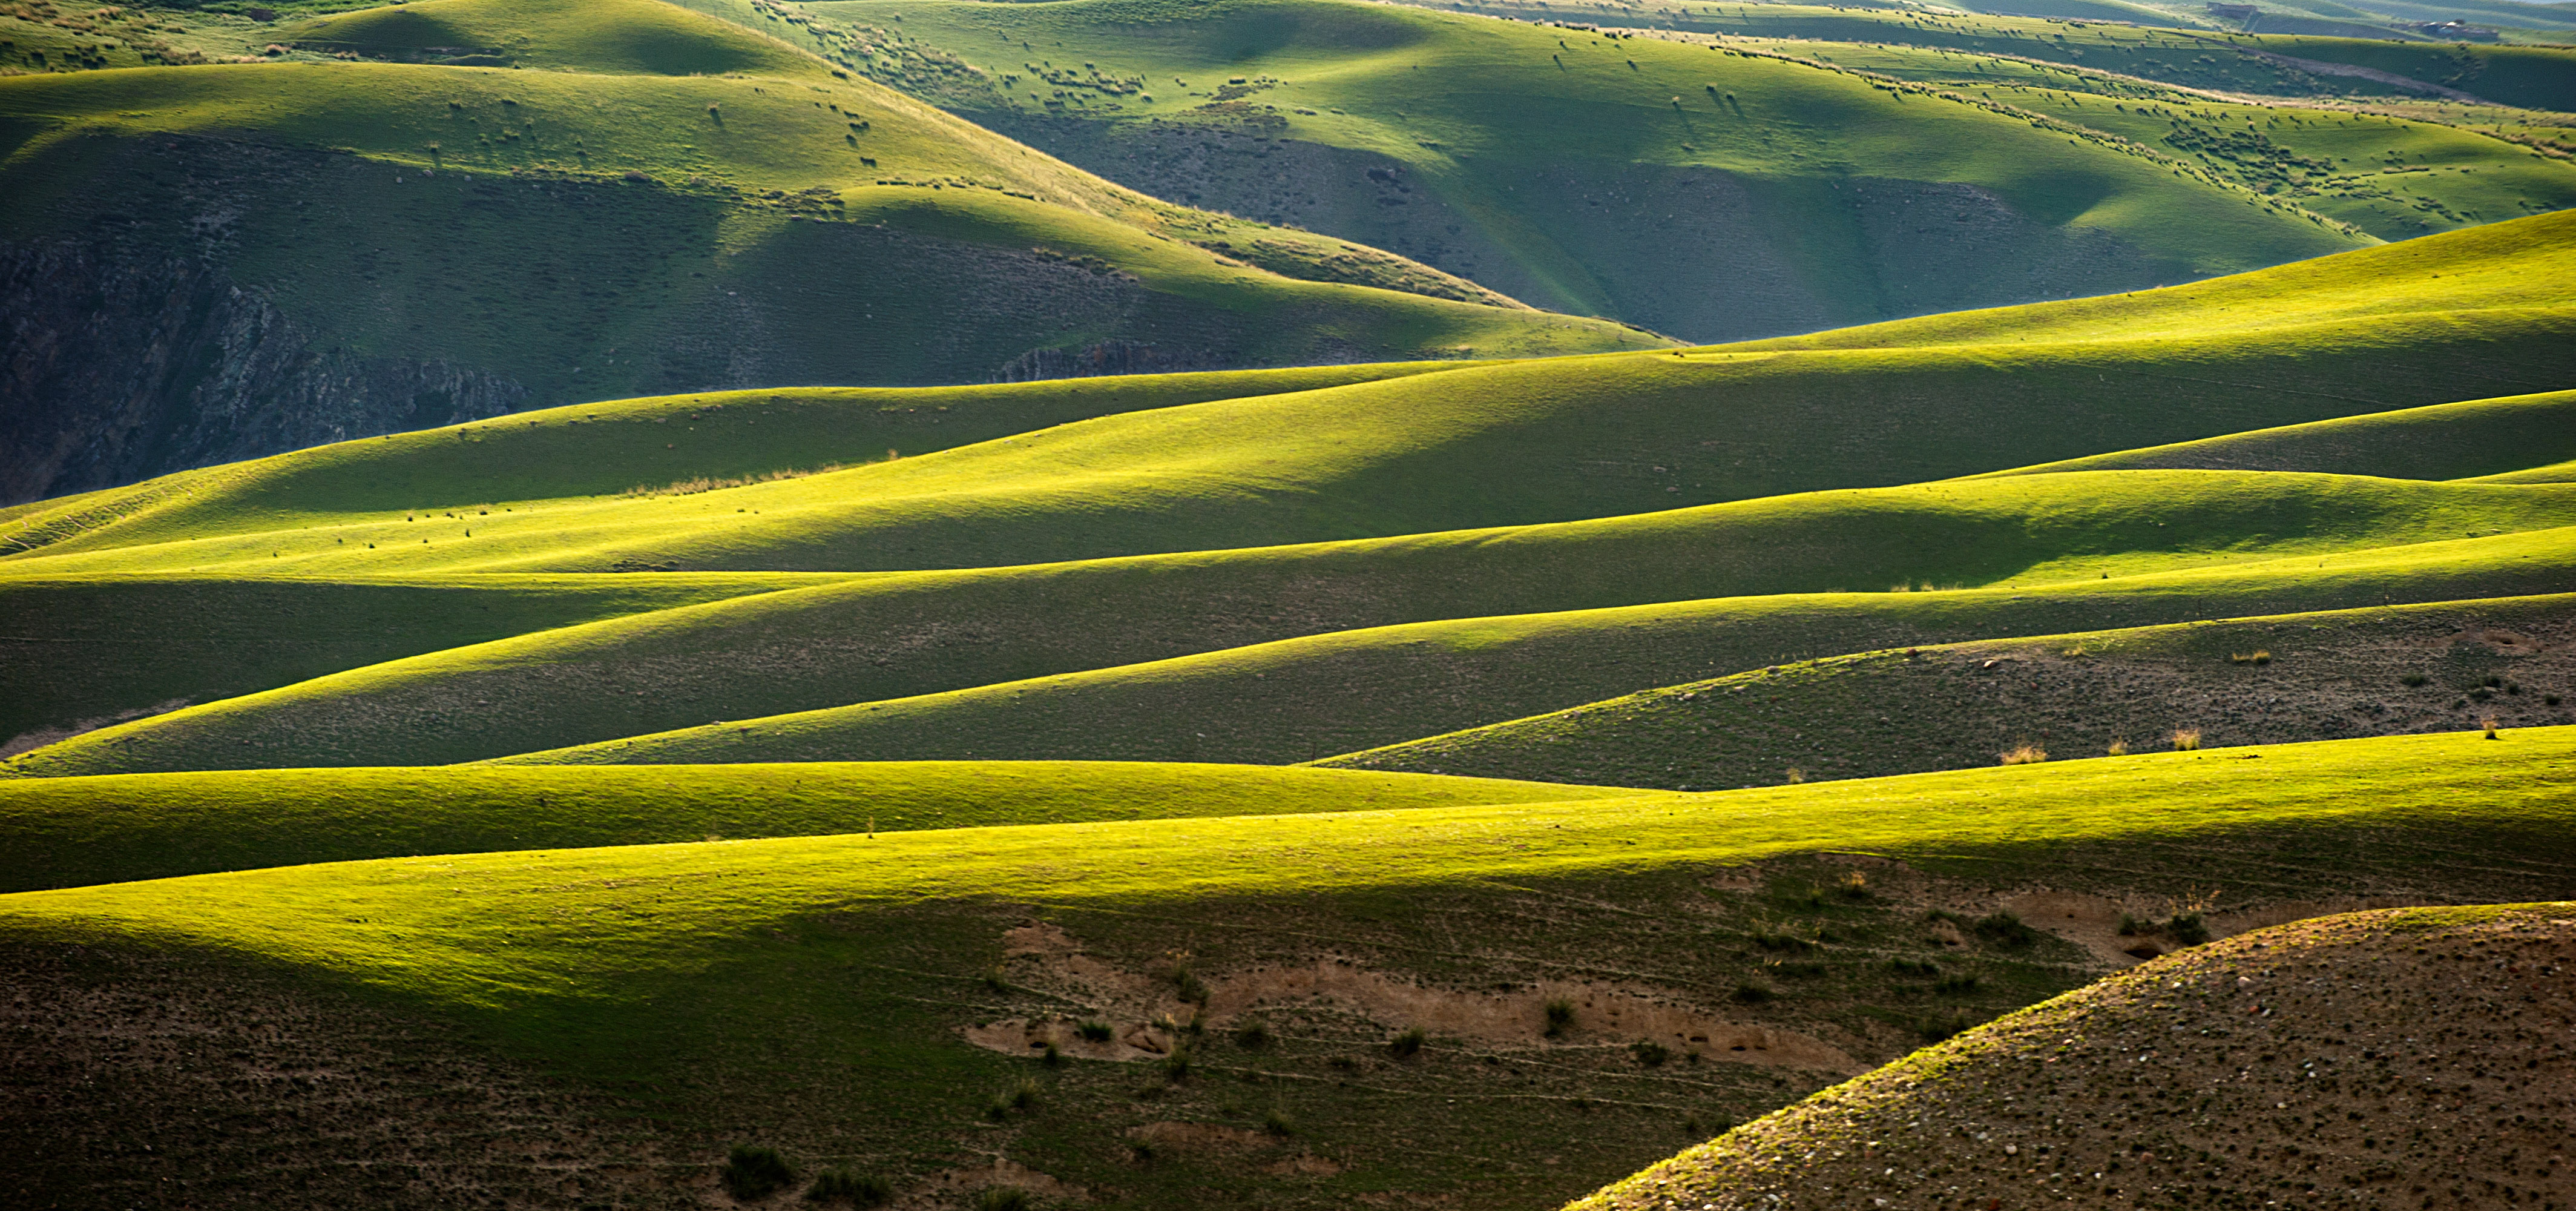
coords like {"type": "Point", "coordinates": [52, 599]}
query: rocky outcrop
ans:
{"type": "Point", "coordinates": [120, 367]}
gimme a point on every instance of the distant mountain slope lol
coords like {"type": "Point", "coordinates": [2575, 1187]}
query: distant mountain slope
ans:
{"type": "Point", "coordinates": [2470, 439]}
{"type": "Point", "coordinates": [224, 261]}
{"type": "Point", "coordinates": [2341, 1054]}
{"type": "Point", "coordinates": [1708, 194]}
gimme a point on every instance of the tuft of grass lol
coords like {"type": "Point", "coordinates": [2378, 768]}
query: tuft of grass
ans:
{"type": "Point", "coordinates": [2254, 657]}
{"type": "Point", "coordinates": [1649, 1054]}
{"type": "Point", "coordinates": [1004, 1198]}
{"type": "Point", "coordinates": [2004, 929]}
{"type": "Point", "coordinates": [752, 1173]}
{"type": "Point", "coordinates": [1559, 1015]}
{"type": "Point", "coordinates": [1753, 992]}
{"type": "Point", "coordinates": [1407, 1045]}
{"type": "Point", "coordinates": [2186, 739]}
{"type": "Point", "coordinates": [2026, 754]}
{"type": "Point", "coordinates": [2118, 748]}
{"type": "Point", "coordinates": [850, 1189]}
{"type": "Point", "coordinates": [1252, 1035]}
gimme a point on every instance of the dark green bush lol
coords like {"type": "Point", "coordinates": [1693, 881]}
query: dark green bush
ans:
{"type": "Point", "coordinates": [1652, 1055]}
{"type": "Point", "coordinates": [1253, 1035]}
{"type": "Point", "coordinates": [1092, 1032]}
{"type": "Point", "coordinates": [1003, 1198]}
{"type": "Point", "coordinates": [1407, 1045]}
{"type": "Point", "coordinates": [853, 1189]}
{"type": "Point", "coordinates": [2005, 929]}
{"type": "Point", "coordinates": [1560, 1017]}
{"type": "Point", "coordinates": [752, 1173]}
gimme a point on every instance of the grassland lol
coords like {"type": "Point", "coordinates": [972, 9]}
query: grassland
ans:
{"type": "Point", "coordinates": [2244, 681]}
{"type": "Point", "coordinates": [1746, 595]}
{"type": "Point", "coordinates": [83, 831]}
{"type": "Point", "coordinates": [2470, 440]}
{"type": "Point", "coordinates": [1692, 163]}
{"type": "Point", "coordinates": [844, 971]}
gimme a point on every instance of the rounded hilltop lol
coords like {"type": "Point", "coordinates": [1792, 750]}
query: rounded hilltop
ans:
{"type": "Point", "coordinates": [2415, 1057]}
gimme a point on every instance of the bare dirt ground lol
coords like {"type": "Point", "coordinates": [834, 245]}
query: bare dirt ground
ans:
{"type": "Point", "coordinates": [2373, 1060]}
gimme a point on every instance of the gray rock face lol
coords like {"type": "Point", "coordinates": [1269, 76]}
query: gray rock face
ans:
{"type": "Point", "coordinates": [122, 366]}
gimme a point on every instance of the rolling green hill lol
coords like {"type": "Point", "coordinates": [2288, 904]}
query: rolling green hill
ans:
{"type": "Point", "coordinates": [1303, 699]}
{"type": "Point", "coordinates": [912, 969]}
{"type": "Point", "coordinates": [394, 246]}
{"type": "Point", "coordinates": [972, 639]}
{"type": "Point", "coordinates": [2295, 677]}
{"type": "Point", "coordinates": [1577, 172]}
{"type": "Point", "coordinates": [2474, 439]}
{"type": "Point", "coordinates": [74, 832]}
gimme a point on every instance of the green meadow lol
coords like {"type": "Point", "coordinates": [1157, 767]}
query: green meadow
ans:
{"type": "Point", "coordinates": [1148, 605]}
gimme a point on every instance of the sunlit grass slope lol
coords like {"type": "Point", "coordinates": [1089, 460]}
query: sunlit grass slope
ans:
{"type": "Point", "coordinates": [2533, 76]}
{"type": "Point", "coordinates": [1541, 145]}
{"type": "Point", "coordinates": [70, 832]}
{"type": "Point", "coordinates": [2293, 677]}
{"type": "Point", "coordinates": [85, 650]}
{"type": "Point", "coordinates": [897, 636]}
{"type": "Point", "coordinates": [2394, 177]}
{"type": "Point", "coordinates": [2487, 439]}
{"type": "Point", "coordinates": [2478, 313]}
{"type": "Point", "coordinates": [604, 449]}
{"type": "Point", "coordinates": [2493, 269]}
{"type": "Point", "coordinates": [609, 36]}
{"type": "Point", "coordinates": [835, 975]}
{"type": "Point", "coordinates": [2554, 473]}
{"type": "Point", "coordinates": [1515, 444]}
{"type": "Point", "coordinates": [1302, 699]}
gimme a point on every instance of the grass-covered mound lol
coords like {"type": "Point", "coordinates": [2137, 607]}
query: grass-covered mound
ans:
{"type": "Point", "coordinates": [1303, 699]}
{"type": "Point", "coordinates": [1576, 170]}
{"type": "Point", "coordinates": [2379, 671]}
{"type": "Point", "coordinates": [835, 977]}
{"type": "Point", "coordinates": [72, 832]}
{"type": "Point", "coordinates": [2373, 1052]}
{"type": "Point", "coordinates": [1443, 631]}
{"type": "Point", "coordinates": [643, 37]}
{"type": "Point", "coordinates": [2489, 440]}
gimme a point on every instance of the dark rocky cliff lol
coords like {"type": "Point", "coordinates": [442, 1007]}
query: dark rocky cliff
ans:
{"type": "Point", "coordinates": [123, 365]}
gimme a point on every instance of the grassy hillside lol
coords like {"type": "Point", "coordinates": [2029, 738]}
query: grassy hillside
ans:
{"type": "Point", "coordinates": [419, 244]}
{"type": "Point", "coordinates": [645, 37]}
{"type": "Point", "coordinates": [1574, 171]}
{"type": "Point", "coordinates": [2474, 439]}
{"type": "Point", "coordinates": [89, 650]}
{"type": "Point", "coordinates": [1303, 699]}
{"type": "Point", "coordinates": [2385, 173]}
{"type": "Point", "coordinates": [2296, 677]}
{"type": "Point", "coordinates": [1480, 446]}
{"type": "Point", "coordinates": [2278, 64]}
{"type": "Point", "coordinates": [2497, 268]}
{"type": "Point", "coordinates": [2060, 1081]}
{"type": "Point", "coordinates": [841, 975]}
{"type": "Point", "coordinates": [891, 637]}
{"type": "Point", "coordinates": [73, 832]}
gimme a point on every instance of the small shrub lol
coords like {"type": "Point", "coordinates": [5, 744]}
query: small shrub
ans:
{"type": "Point", "coordinates": [994, 981]}
{"type": "Point", "coordinates": [1003, 1198]}
{"type": "Point", "coordinates": [2412, 680]}
{"type": "Point", "coordinates": [2131, 927]}
{"type": "Point", "coordinates": [2258, 656]}
{"type": "Point", "coordinates": [1651, 1055]}
{"type": "Point", "coordinates": [1186, 982]}
{"type": "Point", "coordinates": [2119, 748]}
{"type": "Point", "coordinates": [2028, 754]}
{"type": "Point", "coordinates": [1854, 887]}
{"type": "Point", "coordinates": [2186, 740]}
{"type": "Point", "coordinates": [1176, 1066]}
{"type": "Point", "coordinates": [1276, 1123]}
{"type": "Point", "coordinates": [2005, 929]}
{"type": "Point", "coordinates": [1407, 1045]}
{"type": "Point", "coordinates": [1253, 1035]}
{"type": "Point", "coordinates": [1914, 967]}
{"type": "Point", "coordinates": [753, 1173]}
{"type": "Point", "coordinates": [1024, 1096]}
{"type": "Point", "coordinates": [1051, 1057]}
{"type": "Point", "coordinates": [1962, 982]}
{"type": "Point", "coordinates": [2489, 724]}
{"type": "Point", "coordinates": [1796, 775]}
{"type": "Point", "coordinates": [852, 1189]}
{"type": "Point", "coordinates": [1753, 992]}
{"type": "Point", "coordinates": [1092, 1032]}
{"type": "Point", "coordinates": [1560, 1017]}
{"type": "Point", "coordinates": [2187, 928]}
